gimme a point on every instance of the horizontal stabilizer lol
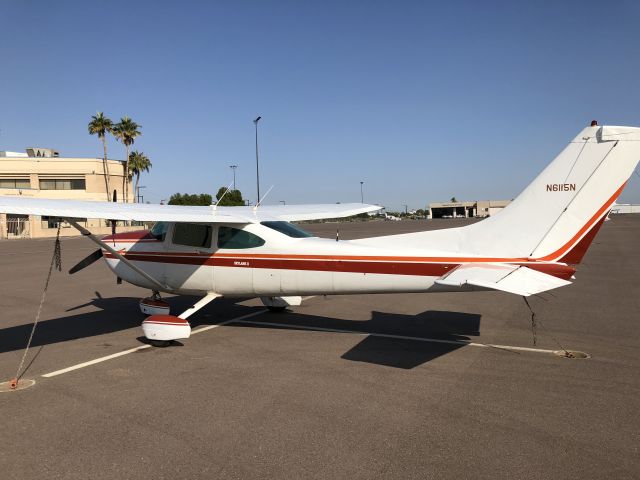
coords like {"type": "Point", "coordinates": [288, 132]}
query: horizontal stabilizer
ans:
{"type": "Point", "coordinates": [515, 279]}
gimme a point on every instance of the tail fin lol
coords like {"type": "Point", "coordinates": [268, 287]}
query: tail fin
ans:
{"type": "Point", "coordinates": [557, 215]}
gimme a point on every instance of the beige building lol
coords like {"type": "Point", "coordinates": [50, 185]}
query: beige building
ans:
{"type": "Point", "coordinates": [42, 173]}
{"type": "Point", "coordinates": [480, 208]}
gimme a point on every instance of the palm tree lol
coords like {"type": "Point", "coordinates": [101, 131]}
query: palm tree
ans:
{"type": "Point", "coordinates": [138, 163]}
{"type": "Point", "coordinates": [126, 131]}
{"type": "Point", "coordinates": [101, 125]}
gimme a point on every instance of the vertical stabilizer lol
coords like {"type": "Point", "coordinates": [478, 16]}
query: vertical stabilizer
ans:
{"type": "Point", "coordinates": [557, 215]}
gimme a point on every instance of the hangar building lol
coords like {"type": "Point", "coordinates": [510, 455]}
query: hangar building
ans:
{"type": "Point", "coordinates": [480, 208]}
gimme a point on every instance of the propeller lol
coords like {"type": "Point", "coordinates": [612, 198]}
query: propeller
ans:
{"type": "Point", "coordinates": [85, 262]}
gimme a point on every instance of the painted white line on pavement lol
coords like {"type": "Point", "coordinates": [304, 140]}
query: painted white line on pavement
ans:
{"type": "Point", "coordinates": [142, 347]}
{"type": "Point", "coordinates": [93, 362]}
{"type": "Point", "coordinates": [397, 337]}
{"type": "Point", "coordinates": [233, 320]}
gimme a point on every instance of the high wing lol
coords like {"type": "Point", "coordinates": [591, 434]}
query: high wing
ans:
{"type": "Point", "coordinates": [516, 279]}
{"type": "Point", "coordinates": [177, 213]}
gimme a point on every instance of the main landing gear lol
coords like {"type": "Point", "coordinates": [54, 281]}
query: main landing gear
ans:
{"type": "Point", "coordinates": [160, 328]}
{"type": "Point", "coordinates": [279, 304]}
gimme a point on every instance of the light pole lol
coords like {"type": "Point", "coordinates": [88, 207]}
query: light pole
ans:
{"type": "Point", "coordinates": [361, 194]}
{"type": "Point", "coordinates": [233, 167]}
{"type": "Point", "coordinates": [255, 122]}
{"type": "Point", "coordinates": [406, 210]}
{"type": "Point", "coordinates": [138, 196]}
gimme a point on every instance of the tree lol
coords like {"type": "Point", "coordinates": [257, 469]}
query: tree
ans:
{"type": "Point", "coordinates": [233, 198]}
{"type": "Point", "coordinates": [190, 199]}
{"type": "Point", "coordinates": [126, 131]}
{"type": "Point", "coordinates": [138, 163]}
{"type": "Point", "coordinates": [101, 125]}
{"type": "Point", "coordinates": [454, 200]}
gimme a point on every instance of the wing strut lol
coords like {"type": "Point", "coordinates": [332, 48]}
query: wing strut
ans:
{"type": "Point", "coordinates": [117, 254]}
{"type": "Point", "coordinates": [198, 305]}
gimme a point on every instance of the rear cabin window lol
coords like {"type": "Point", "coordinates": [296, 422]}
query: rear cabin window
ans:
{"type": "Point", "coordinates": [288, 229]}
{"type": "Point", "coordinates": [192, 235]}
{"type": "Point", "coordinates": [229, 237]}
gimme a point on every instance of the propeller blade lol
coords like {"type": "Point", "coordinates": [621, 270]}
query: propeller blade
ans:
{"type": "Point", "coordinates": [97, 255]}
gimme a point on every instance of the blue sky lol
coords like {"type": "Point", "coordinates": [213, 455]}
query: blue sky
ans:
{"type": "Point", "coordinates": [420, 100]}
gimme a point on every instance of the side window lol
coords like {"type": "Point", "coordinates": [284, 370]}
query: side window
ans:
{"type": "Point", "coordinates": [229, 237]}
{"type": "Point", "coordinates": [192, 234]}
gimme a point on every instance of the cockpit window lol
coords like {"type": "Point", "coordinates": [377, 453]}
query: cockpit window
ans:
{"type": "Point", "coordinates": [159, 230]}
{"type": "Point", "coordinates": [229, 237]}
{"type": "Point", "coordinates": [288, 229]}
{"type": "Point", "coordinates": [192, 234]}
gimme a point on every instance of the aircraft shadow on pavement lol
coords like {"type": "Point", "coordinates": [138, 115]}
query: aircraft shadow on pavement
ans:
{"type": "Point", "coordinates": [393, 352]}
{"type": "Point", "coordinates": [115, 314]}
{"type": "Point", "coordinates": [407, 354]}
{"type": "Point", "coordinates": [122, 313]}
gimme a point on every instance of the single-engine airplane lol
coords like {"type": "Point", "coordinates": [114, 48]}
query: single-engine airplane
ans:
{"type": "Point", "coordinates": [532, 246]}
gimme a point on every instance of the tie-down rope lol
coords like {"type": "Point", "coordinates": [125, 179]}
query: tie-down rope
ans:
{"type": "Point", "coordinates": [56, 260]}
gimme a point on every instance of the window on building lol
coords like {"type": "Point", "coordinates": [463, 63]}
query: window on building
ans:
{"type": "Point", "coordinates": [63, 184]}
{"type": "Point", "coordinates": [235, 238]}
{"type": "Point", "coordinates": [53, 222]}
{"type": "Point", "coordinates": [192, 235]}
{"type": "Point", "coordinates": [50, 222]}
{"type": "Point", "coordinates": [288, 229]}
{"type": "Point", "coordinates": [15, 183]}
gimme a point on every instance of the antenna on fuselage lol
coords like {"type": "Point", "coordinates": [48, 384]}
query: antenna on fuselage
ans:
{"type": "Point", "coordinates": [220, 199]}
{"type": "Point", "coordinates": [262, 199]}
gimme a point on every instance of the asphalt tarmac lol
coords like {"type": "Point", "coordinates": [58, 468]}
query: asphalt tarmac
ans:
{"type": "Point", "coordinates": [299, 395]}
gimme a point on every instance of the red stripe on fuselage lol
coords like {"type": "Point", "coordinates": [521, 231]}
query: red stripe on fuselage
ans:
{"type": "Point", "coordinates": [431, 269]}
{"type": "Point", "coordinates": [565, 249]}
{"type": "Point", "coordinates": [333, 265]}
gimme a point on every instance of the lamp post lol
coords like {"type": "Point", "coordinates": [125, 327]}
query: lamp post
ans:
{"type": "Point", "coordinates": [233, 167]}
{"type": "Point", "coordinates": [255, 122]}
{"type": "Point", "coordinates": [361, 194]}
{"type": "Point", "coordinates": [406, 210]}
{"type": "Point", "coordinates": [138, 196]}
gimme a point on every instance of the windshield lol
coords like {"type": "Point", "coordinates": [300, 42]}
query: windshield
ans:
{"type": "Point", "coordinates": [289, 229]}
{"type": "Point", "coordinates": [159, 230]}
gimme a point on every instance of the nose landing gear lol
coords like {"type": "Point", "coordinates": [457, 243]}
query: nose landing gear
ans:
{"type": "Point", "coordinates": [154, 305]}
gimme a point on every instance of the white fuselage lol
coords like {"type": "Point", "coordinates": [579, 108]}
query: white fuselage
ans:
{"type": "Point", "coordinates": [254, 259]}
{"type": "Point", "coordinates": [283, 266]}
